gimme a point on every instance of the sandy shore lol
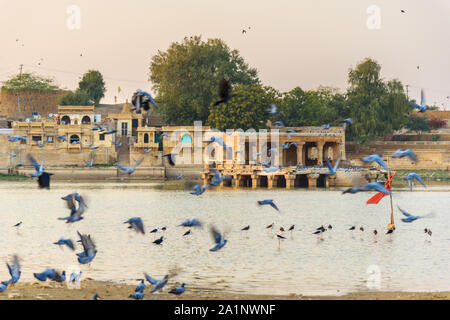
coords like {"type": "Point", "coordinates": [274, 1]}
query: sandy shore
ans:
{"type": "Point", "coordinates": [110, 291]}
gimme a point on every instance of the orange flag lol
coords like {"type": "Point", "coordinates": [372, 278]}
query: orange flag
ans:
{"type": "Point", "coordinates": [380, 195]}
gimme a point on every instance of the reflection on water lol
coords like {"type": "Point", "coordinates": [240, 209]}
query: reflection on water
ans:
{"type": "Point", "coordinates": [250, 262]}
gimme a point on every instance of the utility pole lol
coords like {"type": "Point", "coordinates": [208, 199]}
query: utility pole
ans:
{"type": "Point", "coordinates": [18, 98]}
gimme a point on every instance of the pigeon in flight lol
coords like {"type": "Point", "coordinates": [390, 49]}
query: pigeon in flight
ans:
{"type": "Point", "coordinates": [191, 223]}
{"type": "Point", "coordinates": [158, 284]}
{"type": "Point", "coordinates": [14, 270]}
{"type": "Point", "coordinates": [224, 92]}
{"type": "Point", "coordinates": [268, 202]}
{"type": "Point", "coordinates": [89, 250]}
{"type": "Point", "coordinates": [218, 239]}
{"type": "Point", "coordinates": [412, 176]}
{"type": "Point", "coordinates": [370, 186]}
{"type": "Point", "coordinates": [51, 274]}
{"type": "Point", "coordinates": [423, 106]}
{"type": "Point", "coordinates": [410, 218]}
{"type": "Point", "coordinates": [348, 121]}
{"type": "Point", "coordinates": [75, 214]}
{"type": "Point", "coordinates": [219, 140]}
{"type": "Point", "coordinates": [375, 158]}
{"type": "Point", "coordinates": [130, 170]}
{"type": "Point", "coordinates": [136, 224]}
{"type": "Point", "coordinates": [332, 170]}
{"type": "Point", "coordinates": [65, 242]}
{"type": "Point", "coordinates": [405, 153]}
{"type": "Point", "coordinates": [199, 190]}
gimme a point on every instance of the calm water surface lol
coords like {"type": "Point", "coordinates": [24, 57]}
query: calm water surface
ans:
{"type": "Point", "coordinates": [250, 262]}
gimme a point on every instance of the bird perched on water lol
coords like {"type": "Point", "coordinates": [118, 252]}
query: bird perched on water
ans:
{"type": "Point", "coordinates": [370, 186]}
{"type": "Point", "coordinates": [14, 270]}
{"type": "Point", "coordinates": [65, 242]}
{"type": "Point", "coordinates": [75, 214]}
{"type": "Point", "coordinates": [410, 218]}
{"type": "Point", "coordinates": [348, 121]}
{"type": "Point", "coordinates": [89, 250]}
{"type": "Point", "coordinates": [352, 228]}
{"type": "Point", "coordinates": [361, 229]}
{"type": "Point", "coordinates": [187, 233]}
{"type": "Point", "coordinates": [405, 153]}
{"type": "Point", "coordinates": [171, 158]}
{"type": "Point", "coordinates": [245, 228]}
{"type": "Point", "coordinates": [268, 202]}
{"type": "Point", "coordinates": [43, 177]}
{"type": "Point", "coordinates": [332, 170]}
{"type": "Point", "coordinates": [158, 284]}
{"type": "Point", "coordinates": [412, 176]}
{"type": "Point", "coordinates": [51, 274]}
{"type": "Point", "coordinates": [159, 241]}
{"type": "Point", "coordinates": [199, 190]}
{"type": "Point", "coordinates": [390, 231]}
{"type": "Point", "coordinates": [292, 228]}
{"type": "Point", "coordinates": [375, 158]}
{"type": "Point", "coordinates": [375, 232]}
{"type": "Point", "coordinates": [136, 224]}
{"type": "Point", "coordinates": [130, 170]}
{"type": "Point", "coordinates": [219, 239]}
{"type": "Point", "coordinates": [178, 290]}
{"type": "Point", "coordinates": [423, 106]}
{"type": "Point", "coordinates": [18, 224]}
{"type": "Point", "coordinates": [224, 92]}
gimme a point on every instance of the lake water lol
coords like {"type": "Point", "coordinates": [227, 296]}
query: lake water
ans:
{"type": "Point", "coordinates": [250, 262]}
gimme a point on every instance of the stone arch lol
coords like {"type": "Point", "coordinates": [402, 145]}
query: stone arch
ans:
{"type": "Point", "coordinates": [74, 138]}
{"type": "Point", "coordinates": [86, 120]}
{"type": "Point", "coordinates": [65, 120]}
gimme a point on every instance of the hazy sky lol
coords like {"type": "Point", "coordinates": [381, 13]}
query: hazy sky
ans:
{"type": "Point", "coordinates": [292, 43]}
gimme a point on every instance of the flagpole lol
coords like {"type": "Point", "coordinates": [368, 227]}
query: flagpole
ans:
{"type": "Point", "coordinates": [392, 224]}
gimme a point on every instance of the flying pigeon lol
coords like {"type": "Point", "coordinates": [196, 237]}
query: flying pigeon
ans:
{"type": "Point", "coordinates": [218, 239]}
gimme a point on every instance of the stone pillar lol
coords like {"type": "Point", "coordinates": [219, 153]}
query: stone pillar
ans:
{"type": "Point", "coordinates": [237, 180]}
{"type": "Point", "coordinates": [300, 146]}
{"type": "Point", "coordinates": [255, 181]}
{"type": "Point", "coordinates": [290, 180]}
{"type": "Point", "coordinates": [312, 180]}
{"type": "Point", "coordinates": [270, 181]}
{"type": "Point", "coordinates": [320, 145]}
{"type": "Point", "coordinates": [205, 177]}
{"type": "Point", "coordinates": [331, 181]}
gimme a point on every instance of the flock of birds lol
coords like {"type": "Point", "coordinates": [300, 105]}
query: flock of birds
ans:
{"type": "Point", "coordinates": [77, 206]}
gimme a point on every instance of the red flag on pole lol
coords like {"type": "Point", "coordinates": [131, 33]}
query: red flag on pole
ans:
{"type": "Point", "coordinates": [380, 195]}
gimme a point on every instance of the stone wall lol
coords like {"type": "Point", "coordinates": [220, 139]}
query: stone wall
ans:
{"type": "Point", "coordinates": [44, 102]}
{"type": "Point", "coordinates": [431, 155]}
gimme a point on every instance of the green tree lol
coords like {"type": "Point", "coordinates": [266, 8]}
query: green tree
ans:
{"type": "Point", "coordinates": [312, 108]}
{"type": "Point", "coordinates": [248, 109]}
{"type": "Point", "coordinates": [377, 107]}
{"type": "Point", "coordinates": [417, 124]}
{"type": "Point", "coordinates": [92, 83]}
{"type": "Point", "coordinates": [77, 98]}
{"type": "Point", "coordinates": [30, 81]}
{"type": "Point", "coordinates": [186, 77]}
